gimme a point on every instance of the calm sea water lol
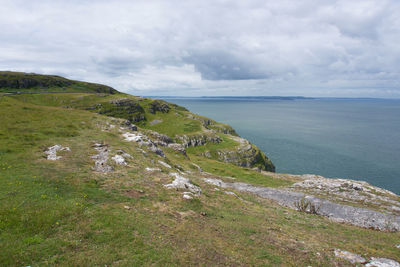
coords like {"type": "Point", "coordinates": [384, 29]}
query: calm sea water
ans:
{"type": "Point", "coordinates": [347, 138]}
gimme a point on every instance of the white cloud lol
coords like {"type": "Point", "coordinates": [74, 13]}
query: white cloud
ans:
{"type": "Point", "coordinates": [310, 47]}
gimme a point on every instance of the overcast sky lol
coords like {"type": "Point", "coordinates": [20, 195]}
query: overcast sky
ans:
{"type": "Point", "coordinates": [194, 48]}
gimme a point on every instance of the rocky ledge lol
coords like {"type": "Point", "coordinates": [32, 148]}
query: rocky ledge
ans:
{"type": "Point", "coordinates": [288, 197]}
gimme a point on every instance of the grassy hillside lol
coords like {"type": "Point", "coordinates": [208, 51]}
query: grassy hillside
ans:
{"type": "Point", "coordinates": [31, 82]}
{"type": "Point", "coordinates": [66, 214]}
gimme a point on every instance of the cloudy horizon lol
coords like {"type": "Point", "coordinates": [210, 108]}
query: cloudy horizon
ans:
{"type": "Point", "coordinates": [210, 48]}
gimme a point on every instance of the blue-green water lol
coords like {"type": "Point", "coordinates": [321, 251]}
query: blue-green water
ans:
{"type": "Point", "coordinates": [347, 138]}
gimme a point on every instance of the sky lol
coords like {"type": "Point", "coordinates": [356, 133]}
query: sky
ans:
{"type": "Point", "coordinates": [209, 48]}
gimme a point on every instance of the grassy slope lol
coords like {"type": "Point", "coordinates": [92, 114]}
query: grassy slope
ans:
{"type": "Point", "coordinates": [176, 122]}
{"type": "Point", "coordinates": [32, 82]}
{"type": "Point", "coordinates": [63, 213]}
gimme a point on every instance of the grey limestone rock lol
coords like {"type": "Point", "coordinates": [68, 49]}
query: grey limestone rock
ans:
{"type": "Point", "coordinates": [351, 257]}
{"type": "Point", "coordinates": [337, 212]}
{"type": "Point", "coordinates": [382, 262]}
{"type": "Point", "coordinates": [100, 163]}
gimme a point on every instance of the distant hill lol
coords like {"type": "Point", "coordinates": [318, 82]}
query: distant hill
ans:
{"type": "Point", "coordinates": [32, 82]}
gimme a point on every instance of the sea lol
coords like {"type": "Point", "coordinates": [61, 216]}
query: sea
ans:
{"type": "Point", "coordinates": [334, 137]}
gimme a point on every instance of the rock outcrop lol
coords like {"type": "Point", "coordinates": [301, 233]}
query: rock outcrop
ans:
{"type": "Point", "coordinates": [245, 155]}
{"type": "Point", "coordinates": [337, 212]}
{"type": "Point", "coordinates": [101, 159]}
{"type": "Point", "coordinates": [158, 105]}
{"type": "Point", "coordinates": [143, 140]}
{"type": "Point", "coordinates": [343, 190]}
{"type": "Point", "coordinates": [198, 139]}
{"type": "Point", "coordinates": [124, 108]}
{"type": "Point", "coordinates": [181, 182]}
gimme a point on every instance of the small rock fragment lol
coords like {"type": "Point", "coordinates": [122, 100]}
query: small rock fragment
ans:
{"type": "Point", "coordinates": [382, 262]}
{"type": "Point", "coordinates": [152, 169]}
{"type": "Point", "coordinates": [130, 126]}
{"type": "Point", "coordinates": [165, 164]}
{"type": "Point", "coordinates": [183, 183]}
{"type": "Point", "coordinates": [132, 137]}
{"type": "Point", "coordinates": [187, 195]}
{"type": "Point", "coordinates": [153, 122]}
{"type": "Point", "coordinates": [120, 160]}
{"type": "Point", "coordinates": [127, 207]}
{"type": "Point", "coordinates": [52, 152]}
{"type": "Point", "coordinates": [351, 257]}
{"type": "Point", "coordinates": [233, 194]}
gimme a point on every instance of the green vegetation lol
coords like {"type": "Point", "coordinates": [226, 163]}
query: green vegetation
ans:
{"type": "Point", "coordinates": [31, 82]}
{"type": "Point", "coordinates": [63, 213]}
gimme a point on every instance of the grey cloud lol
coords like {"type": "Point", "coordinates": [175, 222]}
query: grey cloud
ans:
{"type": "Point", "coordinates": [310, 47]}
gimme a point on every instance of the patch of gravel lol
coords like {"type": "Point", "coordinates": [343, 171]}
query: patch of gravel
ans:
{"type": "Point", "coordinates": [337, 212]}
{"type": "Point", "coordinates": [52, 152]}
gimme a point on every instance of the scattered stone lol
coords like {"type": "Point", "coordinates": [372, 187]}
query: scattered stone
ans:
{"type": "Point", "coordinates": [165, 164]}
{"type": "Point", "coordinates": [143, 140]}
{"type": "Point", "coordinates": [158, 137]}
{"type": "Point", "coordinates": [127, 207]}
{"type": "Point", "coordinates": [203, 213]}
{"type": "Point", "coordinates": [156, 150]}
{"type": "Point", "coordinates": [398, 246]}
{"type": "Point", "coordinates": [130, 126]}
{"type": "Point", "coordinates": [178, 148]}
{"type": "Point", "coordinates": [382, 262]}
{"type": "Point", "coordinates": [198, 167]}
{"type": "Point", "coordinates": [187, 195]}
{"type": "Point", "coordinates": [153, 122]}
{"type": "Point", "coordinates": [351, 257]}
{"type": "Point", "coordinates": [132, 137]}
{"type": "Point", "coordinates": [52, 152]}
{"type": "Point", "coordinates": [100, 164]}
{"type": "Point", "coordinates": [233, 194]}
{"type": "Point", "coordinates": [120, 160]}
{"type": "Point", "coordinates": [183, 183]}
{"type": "Point", "coordinates": [124, 154]}
{"type": "Point", "coordinates": [336, 212]}
{"type": "Point", "coordinates": [152, 169]}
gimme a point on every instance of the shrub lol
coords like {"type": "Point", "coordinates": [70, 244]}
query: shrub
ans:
{"type": "Point", "coordinates": [306, 205]}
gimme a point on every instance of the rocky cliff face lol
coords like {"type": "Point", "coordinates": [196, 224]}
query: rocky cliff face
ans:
{"type": "Point", "coordinates": [198, 139]}
{"type": "Point", "coordinates": [245, 155]}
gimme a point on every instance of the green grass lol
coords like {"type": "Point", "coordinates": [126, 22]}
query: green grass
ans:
{"type": "Point", "coordinates": [241, 174]}
{"type": "Point", "coordinates": [31, 82]}
{"type": "Point", "coordinates": [62, 213]}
